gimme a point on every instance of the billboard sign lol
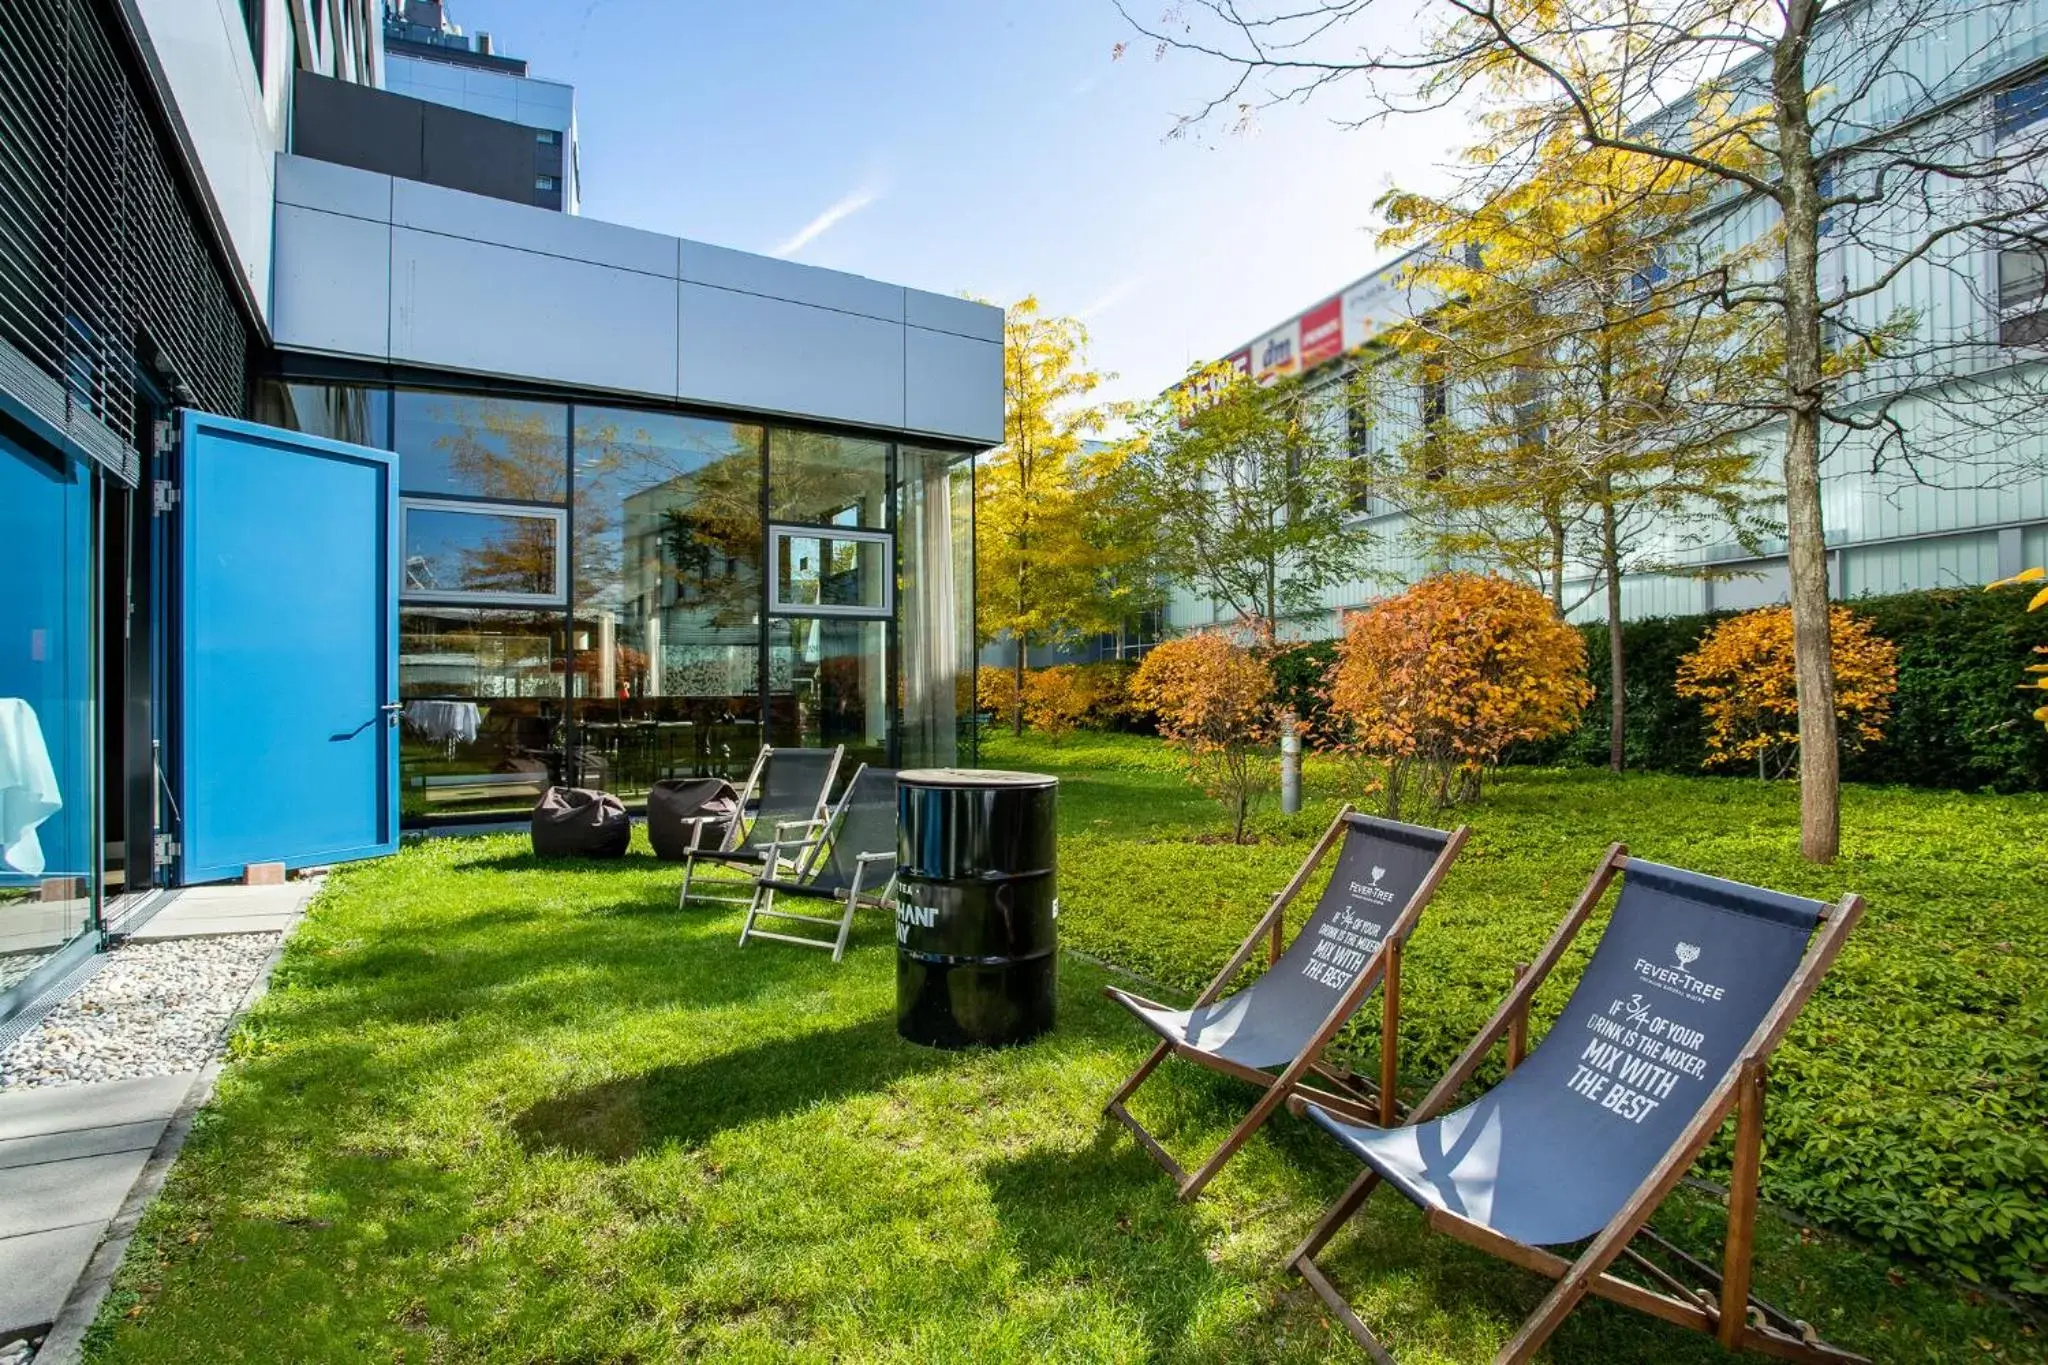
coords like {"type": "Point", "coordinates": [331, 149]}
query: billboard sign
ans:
{"type": "Point", "coordinates": [1322, 333]}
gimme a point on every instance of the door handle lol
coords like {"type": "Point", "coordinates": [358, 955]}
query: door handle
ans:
{"type": "Point", "coordinates": [391, 710]}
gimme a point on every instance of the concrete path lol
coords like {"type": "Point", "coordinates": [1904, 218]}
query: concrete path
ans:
{"type": "Point", "coordinates": [68, 1156]}
{"type": "Point", "coordinates": [205, 911]}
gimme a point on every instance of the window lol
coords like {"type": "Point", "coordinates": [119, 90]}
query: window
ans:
{"type": "Point", "coordinates": [2020, 121]}
{"type": "Point", "coordinates": [547, 137]}
{"type": "Point", "coordinates": [252, 24]}
{"type": "Point", "coordinates": [546, 182]}
{"type": "Point", "coordinates": [830, 573]}
{"type": "Point", "coordinates": [2021, 106]}
{"type": "Point", "coordinates": [464, 445]}
{"type": "Point", "coordinates": [1435, 406]}
{"type": "Point", "coordinates": [340, 412]}
{"type": "Point", "coordinates": [475, 552]}
{"type": "Point", "coordinates": [1358, 446]}
{"type": "Point", "coordinates": [823, 480]}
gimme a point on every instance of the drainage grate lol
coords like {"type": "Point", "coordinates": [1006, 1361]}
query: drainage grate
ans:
{"type": "Point", "coordinates": [14, 1029]}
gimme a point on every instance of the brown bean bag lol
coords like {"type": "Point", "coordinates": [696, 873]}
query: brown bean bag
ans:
{"type": "Point", "coordinates": [673, 801]}
{"type": "Point", "coordinates": [574, 822]}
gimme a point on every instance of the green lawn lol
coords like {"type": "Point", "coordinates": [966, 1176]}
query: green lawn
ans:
{"type": "Point", "coordinates": [494, 1110]}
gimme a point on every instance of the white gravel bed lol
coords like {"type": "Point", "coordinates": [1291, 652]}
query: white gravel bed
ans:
{"type": "Point", "coordinates": [155, 1009]}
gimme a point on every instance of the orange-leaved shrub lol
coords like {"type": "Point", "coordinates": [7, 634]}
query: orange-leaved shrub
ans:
{"type": "Point", "coordinates": [1741, 673]}
{"type": "Point", "coordinates": [1057, 700]}
{"type": "Point", "coordinates": [2039, 682]}
{"type": "Point", "coordinates": [1214, 702]}
{"type": "Point", "coordinates": [995, 691]}
{"type": "Point", "coordinates": [1438, 681]}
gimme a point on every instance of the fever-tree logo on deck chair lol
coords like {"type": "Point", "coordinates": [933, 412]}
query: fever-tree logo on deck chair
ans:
{"type": "Point", "coordinates": [1687, 954]}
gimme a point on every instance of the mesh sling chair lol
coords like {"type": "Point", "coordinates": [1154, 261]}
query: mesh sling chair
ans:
{"type": "Point", "coordinates": [1351, 942]}
{"type": "Point", "coordinates": [1669, 1030]}
{"type": "Point", "coordinates": [787, 790]}
{"type": "Point", "coordinates": [842, 861]}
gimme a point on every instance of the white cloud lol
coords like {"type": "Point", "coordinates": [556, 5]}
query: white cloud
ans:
{"type": "Point", "coordinates": [1110, 297]}
{"type": "Point", "coordinates": [839, 212]}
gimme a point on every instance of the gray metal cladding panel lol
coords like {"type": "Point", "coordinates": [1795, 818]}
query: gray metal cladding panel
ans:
{"type": "Point", "coordinates": [953, 385]}
{"type": "Point", "coordinates": [742, 350]}
{"type": "Point", "coordinates": [455, 214]}
{"type": "Point", "coordinates": [491, 310]}
{"type": "Point", "coordinates": [331, 286]}
{"type": "Point", "coordinates": [944, 313]}
{"type": "Point", "coordinates": [355, 126]}
{"type": "Point", "coordinates": [779, 279]}
{"type": "Point", "coordinates": [336, 189]}
{"type": "Point", "coordinates": [466, 151]}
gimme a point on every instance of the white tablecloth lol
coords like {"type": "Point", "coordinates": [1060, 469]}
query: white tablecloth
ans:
{"type": "Point", "coordinates": [455, 722]}
{"type": "Point", "coordinates": [28, 786]}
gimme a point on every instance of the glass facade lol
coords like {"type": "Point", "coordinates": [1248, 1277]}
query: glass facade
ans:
{"type": "Point", "coordinates": [49, 863]}
{"type": "Point", "coordinates": [609, 596]}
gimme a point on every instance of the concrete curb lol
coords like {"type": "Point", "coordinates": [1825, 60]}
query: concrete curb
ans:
{"type": "Point", "coordinates": [64, 1343]}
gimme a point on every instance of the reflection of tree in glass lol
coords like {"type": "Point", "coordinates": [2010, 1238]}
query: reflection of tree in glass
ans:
{"type": "Point", "coordinates": [518, 555]}
{"type": "Point", "coordinates": [824, 479]}
{"type": "Point", "coordinates": [513, 452]}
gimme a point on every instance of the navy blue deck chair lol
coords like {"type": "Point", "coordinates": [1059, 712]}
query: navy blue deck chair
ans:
{"type": "Point", "coordinates": [1669, 1030]}
{"type": "Point", "coordinates": [1351, 942]}
{"type": "Point", "coordinates": [851, 861]}
{"type": "Point", "coordinates": [786, 791]}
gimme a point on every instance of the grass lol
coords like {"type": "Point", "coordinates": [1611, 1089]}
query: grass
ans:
{"type": "Point", "coordinates": [494, 1110]}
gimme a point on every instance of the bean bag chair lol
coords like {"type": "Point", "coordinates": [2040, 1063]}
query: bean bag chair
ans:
{"type": "Point", "coordinates": [674, 806]}
{"type": "Point", "coordinates": [574, 822]}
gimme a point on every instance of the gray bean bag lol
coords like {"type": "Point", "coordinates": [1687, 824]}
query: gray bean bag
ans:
{"type": "Point", "coordinates": [674, 803]}
{"type": "Point", "coordinates": [574, 822]}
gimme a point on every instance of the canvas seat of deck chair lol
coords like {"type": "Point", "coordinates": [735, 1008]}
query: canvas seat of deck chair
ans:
{"type": "Point", "coordinates": [853, 864]}
{"type": "Point", "coordinates": [1384, 874]}
{"type": "Point", "coordinates": [1669, 1029]}
{"type": "Point", "coordinates": [786, 794]}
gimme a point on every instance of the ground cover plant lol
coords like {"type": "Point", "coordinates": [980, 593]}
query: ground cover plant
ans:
{"type": "Point", "coordinates": [495, 1110]}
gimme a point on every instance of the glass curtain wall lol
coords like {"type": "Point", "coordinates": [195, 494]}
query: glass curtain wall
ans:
{"type": "Point", "coordinates": [49, 867]}
{"type": "Point", "coordinates": [609, 596]}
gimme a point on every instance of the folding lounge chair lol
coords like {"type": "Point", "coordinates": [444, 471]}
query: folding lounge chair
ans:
{"type": "Point", "coordinates": [842, 862]}
{"type": "Point", "coordinates": [1671, 1028]}
{"type": "Point", "coordinates": [787, 790]}
{"type": "Point", "coordinates": [1350, 942]}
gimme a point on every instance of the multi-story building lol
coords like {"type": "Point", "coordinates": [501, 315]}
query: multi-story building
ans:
{"type": "Point", "coordinates": [1957, 514]}
{"type": "Point", "coordinates": [350, 479]}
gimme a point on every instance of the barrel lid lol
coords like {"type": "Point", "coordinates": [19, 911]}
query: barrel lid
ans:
{"type": "Point", "coordinates": [972, 777]}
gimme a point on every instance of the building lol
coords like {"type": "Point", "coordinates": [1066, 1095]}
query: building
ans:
{"type": "Point", "coordinates": [1946, 524]}
{"type": "Point", "coordinates": [337, 497]}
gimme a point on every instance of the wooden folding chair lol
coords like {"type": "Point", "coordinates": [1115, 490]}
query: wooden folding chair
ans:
{"type": "Point", "coordinates": [1351, 942]}
{"type": "Point", "coordinates": [1670, 1029]}
{"type": "Point", "coordinates": [788, 789]}
{"type": "Point", "coordinates": [841, 863]}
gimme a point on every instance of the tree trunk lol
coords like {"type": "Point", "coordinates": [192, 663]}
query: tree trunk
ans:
{"type": "Point", "coordinates": [1023, 644]}
{"type": "Point", "coordinates": [1557, 565]}
{"type": "Point", "coordinates": [1617, 663]}
{"type": "Point", "coordinates": [1820, 777]}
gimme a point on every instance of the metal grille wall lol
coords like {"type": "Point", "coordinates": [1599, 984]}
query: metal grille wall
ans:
{"type": "Point", "coordinates": [100, 254]}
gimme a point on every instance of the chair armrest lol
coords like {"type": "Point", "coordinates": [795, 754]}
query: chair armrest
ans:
{"type": "Point", "coordinates": [781, 825]}
{"type": "Point", "coordinates": [875, 857]}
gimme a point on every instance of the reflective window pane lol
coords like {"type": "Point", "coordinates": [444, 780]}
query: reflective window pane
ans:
{"type": "Point", "coordinates": [481, 712]}
{"type": "Point", "coordinates": [480, 447]}
{"type": "Point", "coordinates": [460, 550]}
{"type": "Point", "coordinates": [828, 571]}
{"type": "Point", "coordinates": [340, 412]}
{"type": "Point", "coordinates": [48, 863]}
{"type": "Point", "coordinates": [820, 480]}
{"type": "Point", "coordinates": [828, 684]}
{"type": "Point", "coordinates": [667, 598]}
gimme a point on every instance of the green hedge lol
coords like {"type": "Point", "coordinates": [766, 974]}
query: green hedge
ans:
{"type": "Point", "coordinates": [1959, 720]}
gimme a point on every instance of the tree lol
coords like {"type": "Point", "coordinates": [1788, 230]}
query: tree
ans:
{"type": "Point", "coordinates": [1584, 429]}
{"type": "Point", "coordinates": [1837, 118]}
{"type": "Point", "coordinates": [1036, 572]}
{"type": "Point", "coordinates": [1743, 675]}
{"type": "Point", "coordinates": [1445, 676]}
{"type": "Point", "coordinates": [1213, 698]}
{"type": "Point", "coordinates": [1246, 495]}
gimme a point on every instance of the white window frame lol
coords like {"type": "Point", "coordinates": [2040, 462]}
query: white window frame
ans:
{"type": "Point", "coordinates": [781, 531]}
{"type": "Point", "coordinates": [477, 597]}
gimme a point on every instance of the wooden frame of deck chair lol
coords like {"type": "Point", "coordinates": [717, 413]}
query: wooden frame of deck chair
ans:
{"type": "Point", "coordinates": [1348, 945]}
{"type": "Point", "coordinates": [782, 812]}
{"type": "Point", "coordinates": [836, 860]}
{"type": "Point", "coordinates": [1588, 1096]}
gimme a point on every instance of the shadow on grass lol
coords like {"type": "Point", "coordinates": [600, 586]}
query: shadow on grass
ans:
{"type": "Point", "coordinates": [689, 1104]}
{"type": "Point", "coordinates": [1105, 1217]}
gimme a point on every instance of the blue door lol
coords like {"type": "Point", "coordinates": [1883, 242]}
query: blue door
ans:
{"type": "Point", "coordinates": [286, 729]}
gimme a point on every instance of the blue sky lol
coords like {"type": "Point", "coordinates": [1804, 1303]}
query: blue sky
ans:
{"type": "Point", "coordinates": [988, 147]}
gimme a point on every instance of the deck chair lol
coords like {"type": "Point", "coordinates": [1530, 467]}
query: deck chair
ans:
{"type": "Point", "coordinates": [839, 863]}
{"type": "Point", "coordinates": [1351, 942]}
{"type": "Point", "coordinates": [786, 791]}
{"type": "Point", "coordinates": [1670, 1029]}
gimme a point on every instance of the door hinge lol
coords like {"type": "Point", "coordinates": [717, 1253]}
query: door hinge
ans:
{"type": "Point", "coordinates": [163, 497]}
{"type": "Point", "coordinates": [165, 850]}
{"type": "Point", "coordinates": [166, 434]}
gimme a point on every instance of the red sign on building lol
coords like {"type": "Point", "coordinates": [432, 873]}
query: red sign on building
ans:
{"type": "Point", "coordinates": [1322, 333]}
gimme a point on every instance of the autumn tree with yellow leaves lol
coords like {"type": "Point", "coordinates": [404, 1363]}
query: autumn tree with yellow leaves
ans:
{"type": "Point", "coordinates": [1214, 702]}
{"type": "Point", "coordinates": [1438, 681]}
{"type": "Point", "coordinates": [1742, 675]}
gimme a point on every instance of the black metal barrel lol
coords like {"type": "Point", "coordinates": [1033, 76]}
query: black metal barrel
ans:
{"type": "Point", "coordinates": [977, 933]}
